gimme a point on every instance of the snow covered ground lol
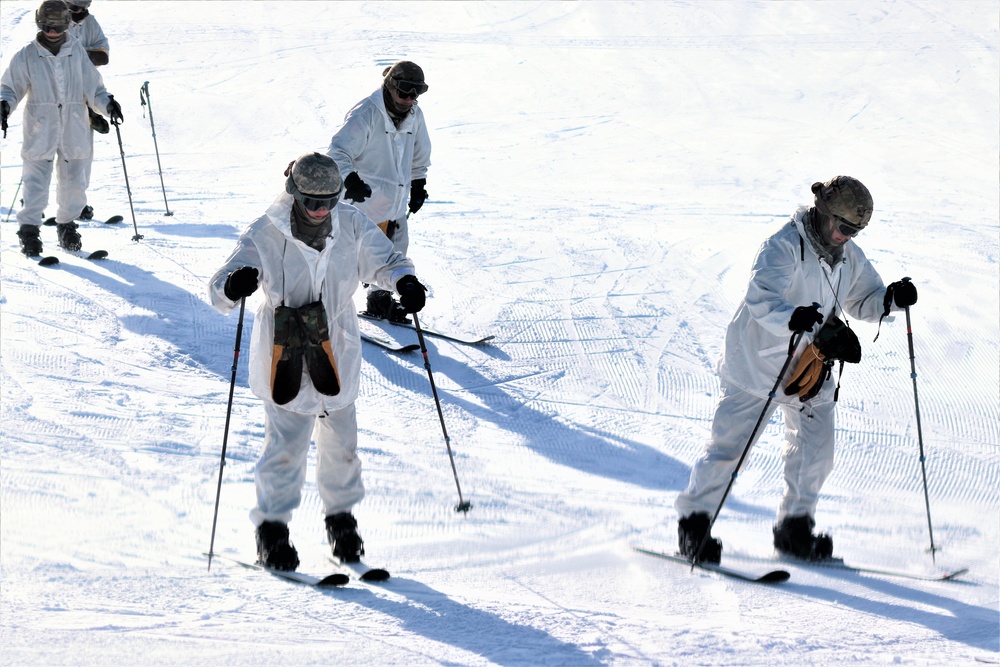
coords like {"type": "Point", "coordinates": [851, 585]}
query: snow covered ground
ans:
{"type": "Point", "coordinates": [603, 173]}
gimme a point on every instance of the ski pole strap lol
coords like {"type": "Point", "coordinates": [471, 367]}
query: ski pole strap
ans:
{"type": "Point", "coordinates": [887, 306]}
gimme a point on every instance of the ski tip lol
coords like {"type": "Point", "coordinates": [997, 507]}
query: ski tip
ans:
{"type": "Point", "coordinates": [50, 222]}
{"type": "Point", "coordinates": [410, 348]}
{"type": "Point", "coordinates": [774, 577]}
{"type": "Point", "coordinates": [113, 220]}
{"type": "Point", "coordinates": [98, 254]}
{"type": "Point", "coordinates": [375, 574]}
{"type": "Point", "coordinates": [334, 580]}
{"type": "Point", "coordinates": [48, 261]}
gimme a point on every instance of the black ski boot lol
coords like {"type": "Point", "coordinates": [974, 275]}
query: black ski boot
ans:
{"type": "Point", "coordinates": [87, 213]}
{"type": "Point", "coordinates": [30, 239]}
{"type": "Point", "coordinates": [342, 532]}
{"type": "Point", "coordinates": [793, 536]}
{"type": "Point", "coordinates": [691, 531]}
{"type": "Point", "coordinates": [382, 305]}
{"type": "Point", "coordinates": [69, 238]}
{"type": "Point", "coordinates": [274, 550]}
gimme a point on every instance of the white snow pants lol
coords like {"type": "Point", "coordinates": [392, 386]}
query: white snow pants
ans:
{"type": "Point", "coordinates": [281, 469]}
{"type": "Point", "coordinates": [72, 178]}
{"type": "Point", "coordinates": [809, 449]}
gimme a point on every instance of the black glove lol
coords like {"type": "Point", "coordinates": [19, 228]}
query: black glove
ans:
{"type": "Point", "coordinates": [355, 188]}
{"type": "Point", "coordinates": [240, 283]}
{"type": "Point", "coordinates": [804, 318]}
{"type": "Point", "coordinates": [4, 112]}
{"type": "Point", "coordinates": [115, 110]}
{"type": "Point", "coordinates": [417, 194]}
{"type": "Point", "coordinates": [412, 295]}
{"type": "Point", "coordinates": [902, 292]}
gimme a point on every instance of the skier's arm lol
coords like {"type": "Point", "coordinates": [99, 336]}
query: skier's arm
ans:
{"type": "Point", "coordinates": [865, 298]}
{"type": "Point", "coordinates": [421, 151]}
{"type": "Point", "coordinates": [245, 254]}
{"type": "Point", "coordinates": [770, 281]}
{"type": "Point", "coordinates": [350, 140]}
{"type": "Point", "coordinates": [378, 263]}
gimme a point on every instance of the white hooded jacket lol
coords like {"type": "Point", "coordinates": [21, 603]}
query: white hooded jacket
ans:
{"type": "Point", "coordinates": [387, 158]}
{"type": "Point", "coordinates": [293, 274]}
{"type": "Point", "coordinates": [59, 89]}
{"type": "Point", "coordinates": [788, 273]}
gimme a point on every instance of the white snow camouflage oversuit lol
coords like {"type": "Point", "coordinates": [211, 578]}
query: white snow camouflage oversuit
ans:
{"type": "Point", "coordinates": [90, 34]}
{"type": "Point", "coordinates": [387, 158]}
{"type": "Point", "coordinates": [787, 273]}
{"type": "Point", "coordinates": [293, 274]}
{"type": "Point", "coordinates": [58, 88]}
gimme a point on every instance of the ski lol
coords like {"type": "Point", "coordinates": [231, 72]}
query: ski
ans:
{"type": "Point", "coordinates": [363, 571]}
{"type": "Point", "coordinates": [113, 220]}
{"type": "Point", "coordinates": [388, 344]}
{"type": "Point", "coordinates": [52, 260]}
{"type": "Point", "coordinates": [329, 581]}
{"type": "Point", "coordinates": [464, 340]}
{"type": "Point", "coordinates": [839, 564]}
{"type": "Point", "coordinates": [771, 577]}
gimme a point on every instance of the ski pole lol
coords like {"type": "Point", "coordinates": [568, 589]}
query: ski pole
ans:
{"type": "Point", "coordinates": [920, 436]}
{"type": "Point", "coordinates": [225, 433]}
{"type": "Point", "coordinates": [15, 199]}
{"type": "Point", "coordinates": [463, 505]}
{"type": "Point", "coordinates": [792, 344]}
{"type": "Point", "coordinates": [144, 101]}
{"type": "Point", "coordinates": [127, 187]}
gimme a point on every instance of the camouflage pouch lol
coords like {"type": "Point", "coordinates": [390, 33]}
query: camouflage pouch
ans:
{"type": "Point", "coordinates": [320, 363]}
{"type": "Point", "coordinates": [286, 355]}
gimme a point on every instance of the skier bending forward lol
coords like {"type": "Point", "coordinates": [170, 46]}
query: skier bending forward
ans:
{"type": "Point", "coordinates": [813, 259]}
{"type": "Point", "coordinates": [307, 253]}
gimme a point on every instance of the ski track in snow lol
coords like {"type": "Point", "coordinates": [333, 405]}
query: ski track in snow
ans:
{"type": "Point", "coordinates": [603, 174]}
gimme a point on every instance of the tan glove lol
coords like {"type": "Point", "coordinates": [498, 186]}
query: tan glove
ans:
{"type": "Point", "coordinates": [809, 374]}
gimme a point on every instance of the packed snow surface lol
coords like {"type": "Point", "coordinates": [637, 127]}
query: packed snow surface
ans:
{"type": "Point", "coordinates": [603, 174]}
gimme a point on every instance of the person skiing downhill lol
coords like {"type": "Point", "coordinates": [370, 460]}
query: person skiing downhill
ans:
{"type": "Point", "coordinates": [306, 254]}
{"type": "Point", "coordinates": [86, 29]}
{"type": "Point", "coordinates": [813, 259]}
{"type": "Point", "coordinates": [59, 83]}
{"type": "Point", "coordinates": [384, 149]}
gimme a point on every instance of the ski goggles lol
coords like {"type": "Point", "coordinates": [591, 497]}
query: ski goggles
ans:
{"type": "Point", "coordinates": [846, 228]}
{"type": "Point", "coordinates": [318, 202]}
{"type": "Point", "coordinates": [45, 27]}
{"type": "Point", "coordinates": [410, 90]}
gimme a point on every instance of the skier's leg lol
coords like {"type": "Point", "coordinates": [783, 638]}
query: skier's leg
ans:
{"type": "Point", "coordinates": [809, 454]}
{"type": "Point", "coordinates": [735, 416]}
{"type": "Point", "coordinates": [71, 188]}
{"type": "Point", "coordinates": [281, 469]}
{"type": "Point", "coordinates": [37, 177]}
{"type": "Point", "coordinates": [338, 468]}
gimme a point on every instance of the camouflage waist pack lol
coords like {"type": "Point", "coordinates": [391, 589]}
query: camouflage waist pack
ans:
{"type": "Point", "coordinates": [302, 335]}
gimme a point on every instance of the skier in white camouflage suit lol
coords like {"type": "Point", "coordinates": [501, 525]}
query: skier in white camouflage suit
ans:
{"type": "Point", "coordinates": [86, 29]}
{"type": "Point", "coordinates": [384, 149]}
{"type": "Point", "coordinates": [813, 259]}
{"type": "Point", "coordinates": [307, 253]}
{"type": "Point", "coordinates": [58, 83]}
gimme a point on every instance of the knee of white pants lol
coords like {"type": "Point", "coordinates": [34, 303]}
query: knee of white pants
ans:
{"type": "Point", "coordinates": [36, 178]}
{"type": "Point", "coordinates": [338, 468]}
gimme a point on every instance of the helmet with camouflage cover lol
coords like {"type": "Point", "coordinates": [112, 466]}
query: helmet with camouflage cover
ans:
{"type": "Point", "coordinates": [845, 199]}
{"type": "Point", "coordinates": [54, 13]}
{"type": "Point", "coordinates": [313, 174]}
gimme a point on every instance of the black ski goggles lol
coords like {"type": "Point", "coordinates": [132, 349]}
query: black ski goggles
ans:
{"type": "Point", "coordinates": [410, 90]}
{"type": "Point", "coordinates": [53, 28]}
{"type": "Point", "coordinates": [846, 228]}
{"type": "Point", "coordinates": [318, 202]}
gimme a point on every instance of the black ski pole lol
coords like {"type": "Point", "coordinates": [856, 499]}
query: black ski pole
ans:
{"type": "Point", "coordinates": [127, 187]}
{"type": "Point", "coordinates": [144, 101]}
{"type": "Point", "coordinates": [16, 192]}
{"type": "Point", "coordinates": [225, 433]}
{"type": "Point", "coordinates": [920, 436]}
{"type": "Point", "coordinates": [792, 344]}
{"type": "Point", "coordinates": [463, 505]}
